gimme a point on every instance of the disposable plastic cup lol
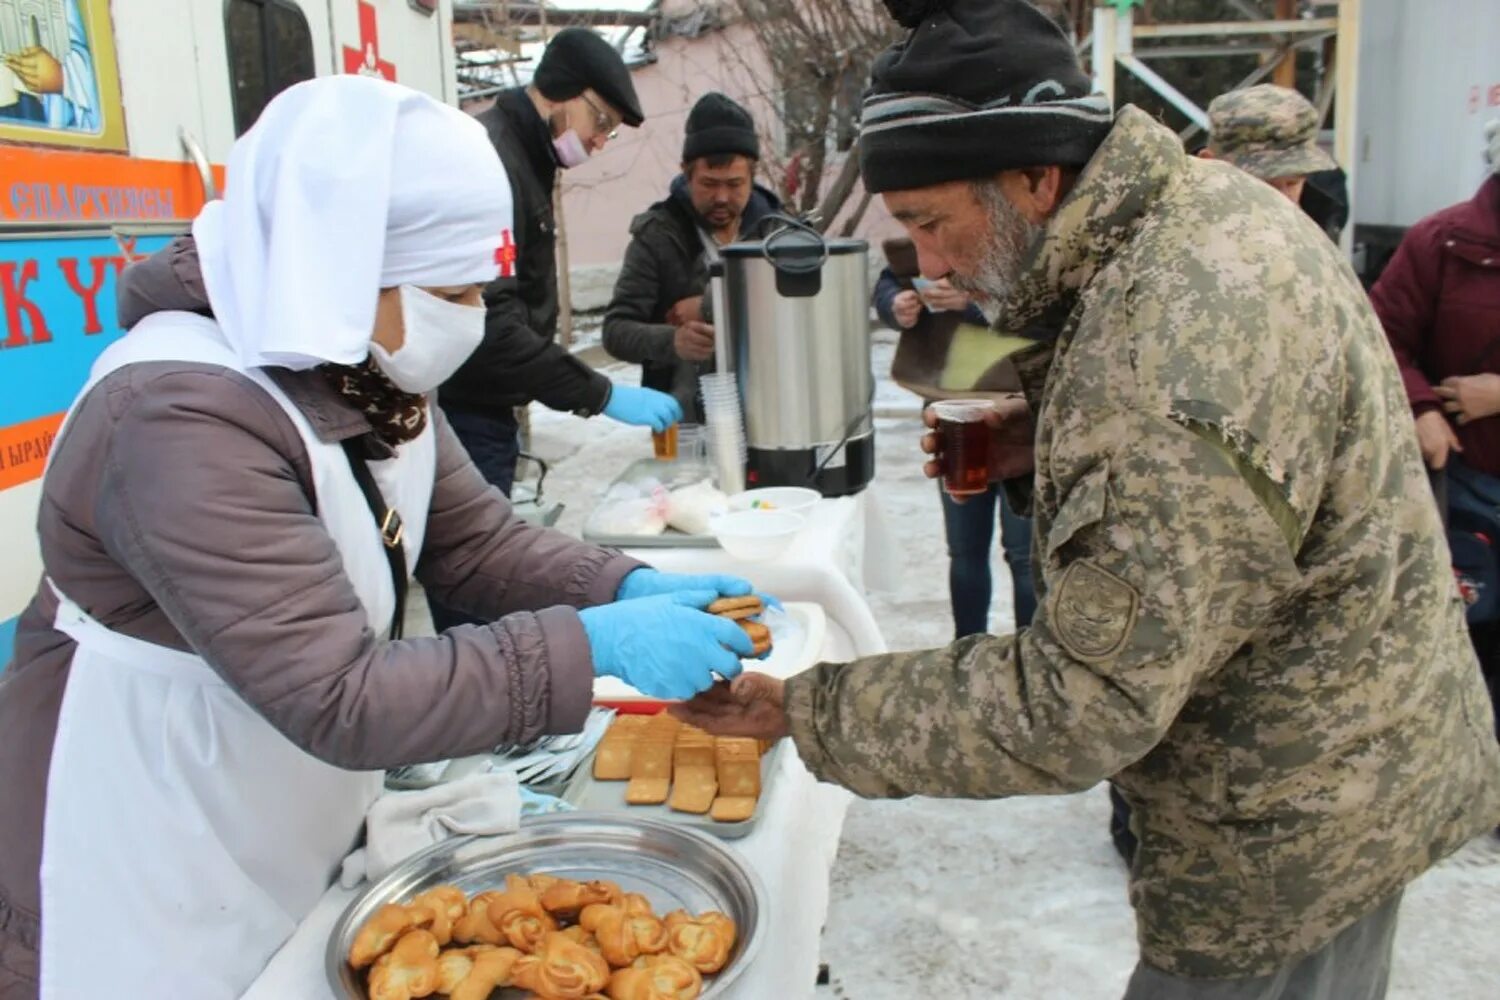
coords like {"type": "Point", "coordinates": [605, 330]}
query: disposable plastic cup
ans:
{"type": "Point", "coordinates": [963, 445]}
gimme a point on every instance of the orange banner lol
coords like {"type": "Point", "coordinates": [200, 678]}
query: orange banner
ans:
{"type": "Point", "coordinates": [24, 448]}
{"type": "Point", "coordinates": [57, 186]}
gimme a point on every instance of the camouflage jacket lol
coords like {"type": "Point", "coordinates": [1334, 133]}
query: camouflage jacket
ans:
{"type": "Point", "coordinates": [1247, 615]}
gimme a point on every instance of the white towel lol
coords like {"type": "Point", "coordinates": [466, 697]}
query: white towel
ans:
{"type": "Point", "coordinates": [400, 824]}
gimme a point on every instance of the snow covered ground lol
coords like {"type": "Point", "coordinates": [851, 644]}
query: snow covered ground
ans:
{"type": "Point", "coordinates": [1022, 898]}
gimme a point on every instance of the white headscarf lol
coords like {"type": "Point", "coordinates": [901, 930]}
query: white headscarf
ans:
{"type": "Point", "coordinates": [344, 186]}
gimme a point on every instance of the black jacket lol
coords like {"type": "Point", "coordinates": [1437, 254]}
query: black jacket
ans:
{"type": "Point", "coordinates": [663, 264]}
{"type": "Point", "coordinates": [519, 360]}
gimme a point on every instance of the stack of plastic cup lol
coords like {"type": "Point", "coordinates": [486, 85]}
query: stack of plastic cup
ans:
{"type": "Point", "coordinates": [726, 429]}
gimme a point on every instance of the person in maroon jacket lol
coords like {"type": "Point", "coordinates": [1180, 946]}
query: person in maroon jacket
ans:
{"type": "Point", "coordinates": [1439, 299]}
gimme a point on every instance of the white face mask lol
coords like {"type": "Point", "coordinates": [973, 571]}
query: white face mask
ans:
{"type": "Point", "coordinates": [570, 149]}
{"type": "Point", "coordinates": [440, 336]}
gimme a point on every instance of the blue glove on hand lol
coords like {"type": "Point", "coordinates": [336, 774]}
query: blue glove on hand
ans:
{"type": "Point", "coordinates": [665, 646]}
{"type": "Point", "coordinates": [643, 407]}
{"type": "Point", "coordinates": [647, 582]}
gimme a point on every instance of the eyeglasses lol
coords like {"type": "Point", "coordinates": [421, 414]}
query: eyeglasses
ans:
{"type": "Point", "coordinates": [604, 122]}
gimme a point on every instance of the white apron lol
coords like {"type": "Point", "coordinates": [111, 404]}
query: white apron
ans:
{"type": "Point", "coordinates": [184, 837]}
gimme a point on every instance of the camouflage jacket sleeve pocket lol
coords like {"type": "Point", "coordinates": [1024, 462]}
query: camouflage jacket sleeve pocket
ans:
{"type": "Point", "coordinates": [1083, 506]}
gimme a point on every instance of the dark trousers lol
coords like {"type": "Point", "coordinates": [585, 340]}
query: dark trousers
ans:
{"type": "Point", "coordinates": [1353, 966]}
{"type": "Point", "coordinates": [1486, 639]}
{"type": "Point", "coordinates": [970, 527]}
{"type": "Point", "coordinates": [493, 443]}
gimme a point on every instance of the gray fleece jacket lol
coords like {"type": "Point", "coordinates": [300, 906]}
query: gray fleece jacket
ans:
{"type": "Point", "coordinates": [169, 473]}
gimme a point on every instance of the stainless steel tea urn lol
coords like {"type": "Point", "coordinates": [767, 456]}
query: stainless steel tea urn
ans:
{"type": "Point", "coordinates": [798, 323]}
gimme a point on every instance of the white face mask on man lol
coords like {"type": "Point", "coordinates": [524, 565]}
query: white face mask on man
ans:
{"type": "Point", "coordinates": [439, 337]}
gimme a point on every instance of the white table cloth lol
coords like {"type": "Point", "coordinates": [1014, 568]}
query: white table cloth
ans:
{"type": "Point", "coordinates": [794, 846]}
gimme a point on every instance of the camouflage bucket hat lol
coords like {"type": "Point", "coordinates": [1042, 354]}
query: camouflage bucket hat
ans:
{"type": "Point", "coordinates": [1267, 131]}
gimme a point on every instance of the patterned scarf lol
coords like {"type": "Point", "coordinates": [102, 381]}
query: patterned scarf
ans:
{"type": "Point", "coordinates": [396, 416]}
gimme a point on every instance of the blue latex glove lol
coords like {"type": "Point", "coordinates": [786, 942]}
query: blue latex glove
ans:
{"type": "Point", "coordinates": [648, 582]}
{"type": "Point", "coordinates": [643, 407]}
{"type": "Point", "coordinates": [665, 646]}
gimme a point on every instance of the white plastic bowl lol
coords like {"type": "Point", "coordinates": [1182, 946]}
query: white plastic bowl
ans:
{"type": "Point", "coordinates": [756, 535]}
{"type": "Point", "coordinates": [791, 499]}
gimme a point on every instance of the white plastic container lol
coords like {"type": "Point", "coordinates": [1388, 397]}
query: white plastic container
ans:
{"type": "Point", "coordinates": [792, 499]}
{"type": "Point", "coordinates": [757, 535]}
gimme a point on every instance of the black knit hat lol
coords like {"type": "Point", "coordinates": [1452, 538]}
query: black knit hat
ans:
{"type": "Point", "coordinates": [577, 59]}
{"type": "Point", "coordinates": [719, 125]}
{"type": "Point", "coordinates": [977, 87]}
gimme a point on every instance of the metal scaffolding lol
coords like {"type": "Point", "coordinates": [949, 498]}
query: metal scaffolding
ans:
{"type": "Point", "coordinates": [1115, 38]}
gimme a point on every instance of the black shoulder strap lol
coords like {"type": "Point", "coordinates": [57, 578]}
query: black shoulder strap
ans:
{"type": "Point", "coordinates": [391, 530]}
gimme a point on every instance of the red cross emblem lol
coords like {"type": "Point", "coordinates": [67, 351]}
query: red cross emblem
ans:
{"type": "Point", "coordinates": [505, 254]}
{"type": "Point", "coordinates": [366, 60]}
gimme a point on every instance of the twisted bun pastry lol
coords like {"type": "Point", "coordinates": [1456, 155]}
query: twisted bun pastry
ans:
{"type": "Point", "coordinates": [703, 945]}
{"type": "Point", "coordinates": [562, 969]}
{"type": "Point", "coordinates": [612, 929]}
{"type": "Point", "coordinates": [437, 909]}
{"type": "Point", "coordinates": [474, 973]}
{"type": "Point", "coordinates": [525, 930]}
{"type": "Point", "coordinates": [379, 934]}
{"type": "Point", "coordinates": [408, 970]}
{"type": "Point", "coordinates": [660, 977]}
{"type": "Point", "coordinates": [475, 926]}
{"type": "Point", "coordinates": [567, 899]}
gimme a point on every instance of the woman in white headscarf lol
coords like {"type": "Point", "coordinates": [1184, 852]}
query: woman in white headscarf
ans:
{"type": "Point", "coordinates": [211, 678]}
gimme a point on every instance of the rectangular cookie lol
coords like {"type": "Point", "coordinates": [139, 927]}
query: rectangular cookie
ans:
{"type": "Point", "coordinates": [612, 759]}
{"type": "Point", "coordinates": [647, 791]}
{"type": "Point", "coordinates": [738, 773]}
{"type": "Point", "coordinates": [651, 758]}
{"type": "Point", "coordinates": [732, 808]}
{"type": "Point", "coordinates": [693, 789]}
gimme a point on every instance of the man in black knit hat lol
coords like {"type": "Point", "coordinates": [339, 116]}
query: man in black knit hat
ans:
{"type": "Point", "coordinates": [1246, 614]}
{"type": "Point", "coordinates": [578, 98]}
{"type": "Point", "coordinates": [659, 317]}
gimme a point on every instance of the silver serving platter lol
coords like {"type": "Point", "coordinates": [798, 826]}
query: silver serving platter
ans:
{"type": "Point", "coordinates": [674, 867]}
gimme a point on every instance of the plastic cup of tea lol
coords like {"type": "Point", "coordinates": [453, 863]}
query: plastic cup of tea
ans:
{"type": "Point", "coordinates": [963, 445]}
{"type": "Point", "coordinates": [664, 444]}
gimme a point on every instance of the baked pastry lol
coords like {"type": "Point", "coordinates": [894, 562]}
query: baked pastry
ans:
{"type": "Point", "coordinates": [658, 977]}
{"type": "Point", "coordinates": [647, 791]}
{"type": "Point", "coordinates": [475, 927]}
{"type": "Point", "coordinates": [737, 608]}
{"type": "Point", "coordinates": [732, 808]}
{"type": "Point", "coordinates": [704, 945]}
{"type": "Point", "coordinates": [649, 932]}
{"type": "Point", "coordinates": [694, 788]}
{"type": "Point", "coordinates": [759, 634]}
{"type": "Point", "coordinates": [525, 930]}
{"type": "Point", "coordinates": [566, 898]}
{"type": "Point", "coordinates": [518, 894]}
{"type": "Point", "coordinates": [379, 934]}
{"type": "Point", "coordinates": [473, 973]}
{"type": "Point", "coordinates": [562, 969]}
{"type": "Point", "coordinates": [610, 926]}
{"type": "Point", "coordinates": [409, 969]}
{"type": "Point", "coordinates": [438, 909]}
{"type": "Point", "coordinates": [738, 763]}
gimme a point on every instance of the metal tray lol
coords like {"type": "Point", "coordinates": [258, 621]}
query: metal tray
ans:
{"type": "Point", "coordinates": [671, 475]}
{"type": "Point", "coordinates": [592, 796]}
{"type": "Point", "coordinates": [675, 868]}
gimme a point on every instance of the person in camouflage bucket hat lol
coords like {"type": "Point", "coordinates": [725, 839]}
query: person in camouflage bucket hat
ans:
{"type": "Point", "coordinates": [1269, 132]}
{"type": "Point", "coordinates": [1246, 616]}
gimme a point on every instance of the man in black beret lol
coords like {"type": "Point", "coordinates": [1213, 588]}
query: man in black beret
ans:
{"type": "Point", "coordinates": [578, 98]}
{"type": "Point", "coordinates": [1247, 617]}
{"type": "Point", "coordinates": [658, 317]}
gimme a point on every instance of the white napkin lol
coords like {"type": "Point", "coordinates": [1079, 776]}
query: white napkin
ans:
{"type": "Point", "coordinates": [400, 824]}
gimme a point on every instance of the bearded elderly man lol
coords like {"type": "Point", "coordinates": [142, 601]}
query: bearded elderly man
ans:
{"type": "Point", "coordinates": [1246, 615]}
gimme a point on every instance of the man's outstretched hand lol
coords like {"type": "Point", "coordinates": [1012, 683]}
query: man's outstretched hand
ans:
{"type": "Point", "coordinates": [753, 704]}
